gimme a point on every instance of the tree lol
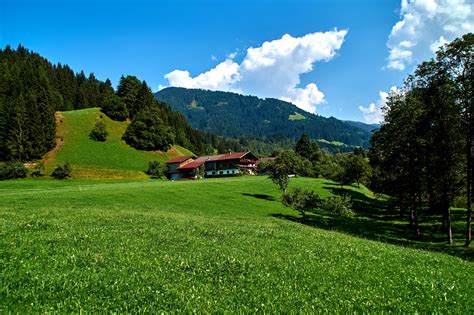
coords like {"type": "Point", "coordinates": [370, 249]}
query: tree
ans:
{"type": "Point", "coordinates": [417, 153]}
{"type": "Point", "coordinates": [13, 170]}
{"type": "Point", "coordinates": [337, 206]}
{"type": "Point", "coordinates": [442, 133]}
{"type": "Point", "coordinates": [340, 173]}
{"type": "Point", "coordinates": [307, 148]}
{"type": "Point", "coordinates": [136, 95]}
{"type": "Point", "coordinates": [155, 170]}
{"type": "Point", "coordinates": [62, 172]}
{"type": "Point", "coordinates": [285, 164]}
{"type": "Point", "coordinates": [114, 107]}
{"type": "Point", "coordinates": [148, 132]}
{"type": "Point", "coordinates": [356, 168]}
{"type": "Point", "coordinates": [99, 132]}
{"type": "Point", "coordinates": [456, 58]}
{"type": "Point", "coordinates": [301, 200]}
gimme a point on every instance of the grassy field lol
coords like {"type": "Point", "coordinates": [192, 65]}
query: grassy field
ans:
{"type": "Point", "coordinates": [91, 159]}
{"type": "Point", "coordinates": [218, 245]}
{"type": "Point", "coordinates": [296, 116]}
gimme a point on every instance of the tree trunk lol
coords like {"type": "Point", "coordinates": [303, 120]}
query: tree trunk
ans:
{"type": "Point", "coordinates": [431, 199]}
{"type": "Point", "coordinates": [448, 226]}
{"type": "Point", "coordinates": [420, 209]}
{"type": "Point", "coordinates": [402, 207]}
{"type": "Point", "coordinates": [469, 187]}
{"type": "Point", "coordinates": [447, 216]}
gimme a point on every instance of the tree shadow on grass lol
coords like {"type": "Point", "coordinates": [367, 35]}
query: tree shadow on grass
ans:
{"type": "Point", "coordinates": [260, 196]}
{"type": "Point", "coordinates": [375, 220]}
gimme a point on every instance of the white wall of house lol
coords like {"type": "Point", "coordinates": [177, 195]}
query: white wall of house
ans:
{"type": "Point", "coordinates": [233, 171]}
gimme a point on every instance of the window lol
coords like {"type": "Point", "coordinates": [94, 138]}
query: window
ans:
{"type": "Point", "coordinates": [221, 172]}
{"type": "Point", "coordinates": [213, 172]}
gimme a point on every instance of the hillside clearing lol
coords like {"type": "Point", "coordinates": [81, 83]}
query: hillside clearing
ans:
{"type": "Point", "coordinates": [92, 159]}
{"type": "Point", "coordinates": [205, 246]}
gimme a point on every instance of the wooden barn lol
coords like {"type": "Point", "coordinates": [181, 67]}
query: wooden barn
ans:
{"type": "Point", "coordinates": [228, 164]}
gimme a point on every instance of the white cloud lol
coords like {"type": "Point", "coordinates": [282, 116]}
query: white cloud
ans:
{"type": "Point", "coordinates": [425, 25]}
{"type": "Point", "coordinates": [232, 55]}
{"type": "Point", "coordinates": [373, 113]}
{"type": "Point", "coordinates": [222, 77]}
{"type": "Point", "coordinates": [271, 70]}
{"type": "Point", "coordinates": [305, 98]}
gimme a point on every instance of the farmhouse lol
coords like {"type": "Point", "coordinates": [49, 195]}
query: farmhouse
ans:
{"type": "Point", "coordinates": [176, 163]}
{"type": "Point", "coordinates": [228, 164]}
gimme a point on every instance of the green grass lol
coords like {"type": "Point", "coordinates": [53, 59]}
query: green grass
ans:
{"type": "Point", "coordinates": [336, 143]}
{"type": "Point", "coordinates": [296, 116]}
{"type": "Point", "coordinates": [219, 245]}
{"type": "Point", "coordinates": [91, 159]}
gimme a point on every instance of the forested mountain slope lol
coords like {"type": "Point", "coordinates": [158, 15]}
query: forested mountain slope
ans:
{"type": "Point", "coordinates": [361, 125]}
{"type": "Point", "coordinates": [234, 115]}
{"type": "Point", "coordinates": [32, 89]}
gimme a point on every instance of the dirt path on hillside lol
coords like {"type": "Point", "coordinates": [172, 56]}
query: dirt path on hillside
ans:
{"type": "Point", "coordinates": [60, 130]}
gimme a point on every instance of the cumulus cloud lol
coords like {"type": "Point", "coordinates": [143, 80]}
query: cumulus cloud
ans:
{"type": "Point", "coordinates": [270, 70]}
{"type": "Point", "coordinates": [306, 98]}
{"type": "Point", "coordinates": [424, 26]}
{"type": "Point", "coordinates": [222, 77]}
{"type": "Point", "coordinates": [373, 113]}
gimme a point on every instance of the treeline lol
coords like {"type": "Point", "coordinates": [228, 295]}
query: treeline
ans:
{"type": "Point", "coordinates": [307, 159]}
{"type": "Point", "coordinates": [155, 126]}
{"type": "Point", "coordinates": [422, 154]}
{"type": "Point", "coordinates": [31, 90]}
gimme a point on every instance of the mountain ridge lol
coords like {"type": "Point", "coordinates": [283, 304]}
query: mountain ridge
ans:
{"type": "Point", "coordinates": [231, 114]}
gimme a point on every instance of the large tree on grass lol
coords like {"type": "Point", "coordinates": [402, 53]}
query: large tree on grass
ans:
{"type": "Point", "coordinates": [135, 94]}
{"type": "Point", "coordinates": [148, 132]}
{"type": "Point", "coordinates": [286, 163]}
{"type": "Point", "coordinates": [457, 59]}
{"type": "Point", "coordinates": [418, 151]}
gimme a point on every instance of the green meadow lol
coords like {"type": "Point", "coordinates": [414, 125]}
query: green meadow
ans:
{"type": "Point", "coordinates": [217, 245]}
{"type": "Point", "coordinates": [92, 159]}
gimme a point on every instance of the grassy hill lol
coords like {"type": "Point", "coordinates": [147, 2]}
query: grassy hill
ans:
{"type": "Point", "coordinates": [220, 245]}
{"type": "Point", "coordinates": [91, 159]}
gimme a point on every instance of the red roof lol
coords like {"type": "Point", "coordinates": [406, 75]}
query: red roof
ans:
{"type": "Point", "coordinates": [179, 159]}
{"type": "Point", "coordinates": [202, 159]}
{"type": "Point", "coordinates": [234, 156]}
{"type": "Point", "coordinates": [191, 165]}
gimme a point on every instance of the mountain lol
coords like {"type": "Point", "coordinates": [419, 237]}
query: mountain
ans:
{"type": "Point", "coordinates": [234, 115]}
{"type": "Point", "coordinates": [361, 125]}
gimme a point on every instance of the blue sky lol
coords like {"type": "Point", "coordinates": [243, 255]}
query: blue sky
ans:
{"type": "Point", "coordinates": [367, 54]}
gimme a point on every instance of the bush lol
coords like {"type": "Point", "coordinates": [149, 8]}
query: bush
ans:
{"type": "Point", "coordinates": [155, 170]}
{"type": "Point", "coordinates": [301, 200]}
{"type": "Point", "coordinates": [99, 133]}
{"type": "Point", "coordinates": [38, 168]}
{"type": "Point", "coordinates": [13, 170]}
{"type": "Point", "coordinates": [62, 172]}
{"type": "Point", "coordinates": [338, 207]}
